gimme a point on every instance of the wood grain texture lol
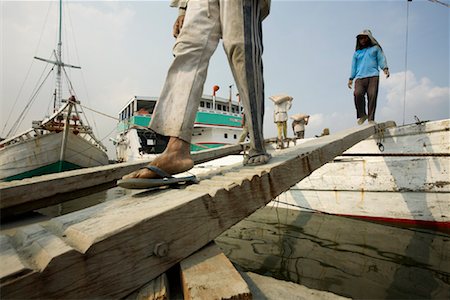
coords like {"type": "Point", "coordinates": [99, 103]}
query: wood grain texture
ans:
{"type": "Point", "coordinates": [157, 289]}
{"type": "Point", "coordinates": [110, 250]}
{"type": "Point", "coordinates": [208, 274]}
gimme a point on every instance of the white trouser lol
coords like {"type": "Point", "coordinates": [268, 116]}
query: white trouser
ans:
{"type": "Point", "coordinates": [238, 23]}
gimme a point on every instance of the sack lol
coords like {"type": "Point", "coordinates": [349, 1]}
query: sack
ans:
{"type": "Point", "coordinates": [280, 98]}
{"type": "Point", "coordinates": [298, 117]}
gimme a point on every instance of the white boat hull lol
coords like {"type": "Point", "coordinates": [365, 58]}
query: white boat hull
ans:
{"type": "Point", "coordinates": [409, 182]}
{"type": "Point", "coordinates": [44, 150]}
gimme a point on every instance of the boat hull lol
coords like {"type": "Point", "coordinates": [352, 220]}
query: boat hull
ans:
{"type": "Point", "coordinates": [41, 155]}
{"type": "Point", "coordinates": [406, 183]}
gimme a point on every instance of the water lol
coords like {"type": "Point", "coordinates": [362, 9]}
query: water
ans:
{"type": "Point", "coordinates": [348, 257]}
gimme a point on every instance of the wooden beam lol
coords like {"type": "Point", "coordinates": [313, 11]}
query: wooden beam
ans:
{"type": "Point", "coordinates": [208, 274]}
{"type": "Point", "coordinates": [111, 249]}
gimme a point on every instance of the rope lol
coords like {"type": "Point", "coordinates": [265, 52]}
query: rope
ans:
{"type": "Point", "coordinates": [397, 154]}
{"type": "Point", "coordinates": [27, 107]}
{"type": "Point", "coordinates": [28, 72]}
{"type": "Point", "coordinates": [440, 2]}
{"type": "Point", "coordinates": [406, 60]}
{"type": "Point", "coordinates": [98, 112]}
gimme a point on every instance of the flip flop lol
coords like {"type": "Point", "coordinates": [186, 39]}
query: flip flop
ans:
{"type": "Point", "coordinates": [145, 183]}
{"type": "Point", "coordinates": [258, 163]}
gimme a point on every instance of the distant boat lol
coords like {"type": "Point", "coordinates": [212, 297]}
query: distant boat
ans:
{"type": "Point", "coordinates": [58, 143]}
{"type": "Point", "coordinates": [218, 122]}
{"type": "Point", "coordinates": [399, 176]}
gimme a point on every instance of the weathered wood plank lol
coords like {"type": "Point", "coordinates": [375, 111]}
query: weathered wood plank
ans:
{"type": "Point", "coordinates": [122, 244]}
{"type": "Point", "coordinates": [11, 264]}
{"type": "Point", "coordinates": [25, 195]}
{"type": "Point", "coordinates": [157, 289]}
{"type": "Point", "coordinates": [208, 274]}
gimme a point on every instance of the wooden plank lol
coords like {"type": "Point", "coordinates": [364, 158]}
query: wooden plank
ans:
{"type": "Point", "coordinates": [157, 289]}
{"type": "Point", "coordinates": [25, 195]}
{"type": "Point", "coordinates": [118, 246]}
{"type": "Point", "coordinates": [11, 263]}
{"type": "Point", "coordinates": [208, 274]}
{"type": "Point", "coordinates": [273, 289]}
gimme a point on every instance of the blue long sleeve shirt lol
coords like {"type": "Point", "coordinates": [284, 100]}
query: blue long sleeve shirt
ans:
{"type": "Point", "coordinates": [366, 62]}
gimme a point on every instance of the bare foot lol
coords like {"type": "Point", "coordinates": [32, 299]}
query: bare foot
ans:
{"type": "Point", "coordinates": [175, 159]}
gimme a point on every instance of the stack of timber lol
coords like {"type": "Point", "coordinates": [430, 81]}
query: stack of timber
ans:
{"type": "Point", "coordinates": [208, 274]}
{"type": "Point", "coordinates": [112, 249]}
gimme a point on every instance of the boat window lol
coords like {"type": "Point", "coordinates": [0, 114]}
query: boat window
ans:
{"type": "Point", "coordinates": [235, 137]}
{"type": "Point", "coordinates": [145, 107]}
{"type": "Point", "coordinates": [225, 135]}
{"type": "Point", "coordinates": [219, 106]}
{"type": "Point", "coordinates": [202, 103]}
{"type": "Point", "coordinates": [130, 110]}
{"type": "Point", "coordinates": [208, 105]}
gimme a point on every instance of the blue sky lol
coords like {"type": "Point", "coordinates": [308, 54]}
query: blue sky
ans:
{"type": "Point", "coordinates": [124, 48]}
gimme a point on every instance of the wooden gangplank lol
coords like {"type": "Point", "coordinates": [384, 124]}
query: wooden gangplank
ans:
{"type": "Point", "coordinates": [112, 249]}
{"type": "Point", "coordinates": [20, 196]}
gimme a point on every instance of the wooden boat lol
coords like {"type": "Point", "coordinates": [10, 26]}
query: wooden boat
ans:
{"type": "Point", "coordinates": [217, 123]}
{"type": "Point", "coordinates": [58, 143]}
{"type": "Point", "coordinates": [401, 176]}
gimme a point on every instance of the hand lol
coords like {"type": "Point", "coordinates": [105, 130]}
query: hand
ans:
{"type": "Point", "coordinates": [386, 72]}
{"type": "Point", "coordinates": [178, 25]}
{"type": "Point", "coordinates": [350, 83]}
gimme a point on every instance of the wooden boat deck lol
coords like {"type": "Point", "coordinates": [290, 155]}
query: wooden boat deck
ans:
{"type": "Point", "coordinates": [114, 248]}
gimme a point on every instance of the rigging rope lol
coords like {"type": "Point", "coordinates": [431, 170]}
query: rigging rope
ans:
{"type": "Point", "coordinates": [98, 112]}
{"type": "Point", "coordinates": [27, 107]}
{"type": "Point", "coordinates": [440, 2]}
{"type": "Point", "coordinates": [406, 60]}
{"type": "Point", "coordinates": [29, 71]}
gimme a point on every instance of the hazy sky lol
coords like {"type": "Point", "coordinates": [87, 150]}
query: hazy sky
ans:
{"type": "Point", "coordinates": [124, 49]}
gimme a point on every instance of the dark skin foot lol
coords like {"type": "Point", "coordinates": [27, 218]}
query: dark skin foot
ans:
{"type": "Point", "coordinates": [175, 159]}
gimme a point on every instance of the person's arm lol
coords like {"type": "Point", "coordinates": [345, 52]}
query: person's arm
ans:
{"type": "Point", "coordinates": [352, 72]}
{"type": "Point", "coordinates": [382, 62]}
{"type": "Point", "coordinates": [182, 6]}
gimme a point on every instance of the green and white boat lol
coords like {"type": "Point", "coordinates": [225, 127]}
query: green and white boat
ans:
{"type": "Point", "coordinates": [218, 122]}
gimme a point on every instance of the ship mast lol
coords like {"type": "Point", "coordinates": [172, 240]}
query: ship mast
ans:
{"type": "Point", "coordinates": [58, 63]}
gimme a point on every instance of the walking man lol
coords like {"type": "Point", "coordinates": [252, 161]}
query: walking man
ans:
{"type": "Point", "coordinates": [367, 60]}
{"type": "Point", "coordinates": [198, 29]}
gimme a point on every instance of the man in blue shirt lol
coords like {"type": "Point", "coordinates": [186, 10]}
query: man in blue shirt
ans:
{"type": "Point", "coordinates": [367, 60]}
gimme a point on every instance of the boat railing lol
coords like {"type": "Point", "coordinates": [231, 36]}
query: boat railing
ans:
{"type": "Point", "coordinates": [221, 112]}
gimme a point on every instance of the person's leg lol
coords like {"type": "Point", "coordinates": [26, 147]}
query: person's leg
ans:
{"type": "Point", "coordinates": [372, 95]}
{"type": "Point", "coordinates": [361, 85]}
{"type": "Point", "coordinates": [243, 134]}
{"type": "Point", "coordinates": [280, 130]}
{"type": "Point", "coordinates": [177, 106]}
{"type": "Point", "coordinates": [302, 134]}
{"type": "Point", "coordinates": [242, 40]}
{"type": "Point", "coordinates": [285, 129]}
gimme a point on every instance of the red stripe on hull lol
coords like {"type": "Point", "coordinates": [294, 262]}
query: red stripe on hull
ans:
{"type": "Point", "coordinates": [435, 225]}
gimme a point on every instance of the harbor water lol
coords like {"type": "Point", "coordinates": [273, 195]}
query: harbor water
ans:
{"type": "Point", "coordinates": [348, 257]}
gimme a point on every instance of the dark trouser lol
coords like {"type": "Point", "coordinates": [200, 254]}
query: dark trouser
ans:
{"type": "Point", "coordinates": [365, 86]}
{"type": "Point", "coordinates": [300, 134]}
